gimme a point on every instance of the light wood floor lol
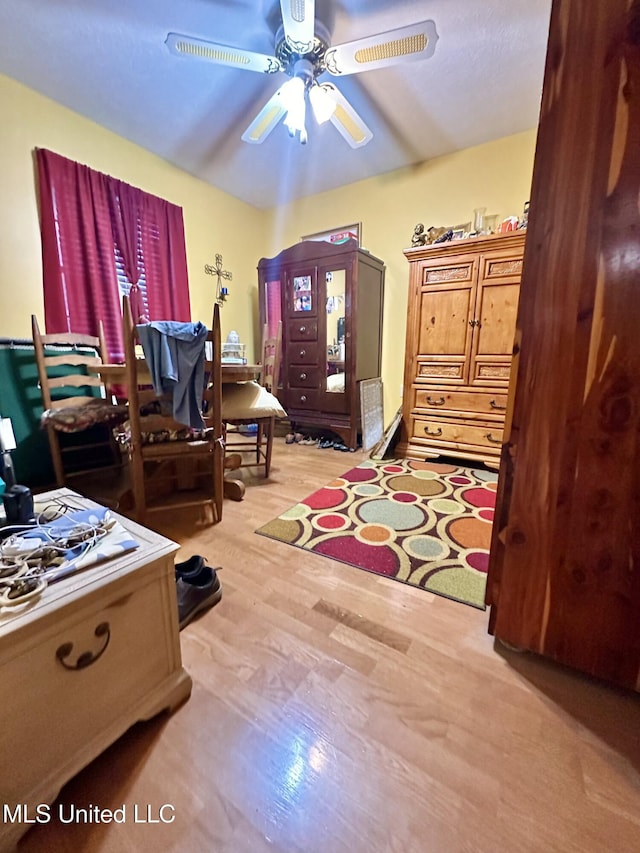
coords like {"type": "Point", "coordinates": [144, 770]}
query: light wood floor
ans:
{"type": "Point", "coordinates": [334, 711]}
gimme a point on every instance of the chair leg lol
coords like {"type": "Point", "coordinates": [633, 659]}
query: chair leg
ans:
{"type": "Point", "coordinates": [271, 426]}
{"type": "Point", "coordinates": [259, 438]}
{"type": "Point", "coordinates": [218, 478]}
{"type": "Point", "coordinates": [136, 469]}
{"type": "Point", "coordinates": [56, 457]}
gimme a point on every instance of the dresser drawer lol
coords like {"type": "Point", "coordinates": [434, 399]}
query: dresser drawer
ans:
{"type": "Point", "coordinates": [121, 636]}
{"type": "Point", "coordinates": [443, 400]}
{"type": "Point", "coordinates": [303, 352]}
{"type": "Point", "coordinates": [451, 371]}
{"type": "Point", "coordinates": [439, 431]}
{"type": "Point", "coordinates": [301, 376]}
{"type": "Point", "coordinates": [302, 330]}
{"type": "Point", "coordinates": [300, 398]}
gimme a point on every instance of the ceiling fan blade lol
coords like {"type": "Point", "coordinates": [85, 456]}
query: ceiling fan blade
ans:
{"type": "Point", "coordinates": [267, 119]}
{"type": "Point", "coordinates": [222, 54]}
{"type": "Point", "coordinates": [347, 120]}
{"type": "Point", "coordinates": [298, 19]}
{"type": "Point", "coordinates": [417, 41]}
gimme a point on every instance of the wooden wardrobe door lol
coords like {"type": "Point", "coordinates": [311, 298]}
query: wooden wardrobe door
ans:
{"type": "Point", "coordinates": [564, 575]}
{"type": "Point", "coordinates": [446, 303]}
{"type": "Point", "coordinates": [495, 313]}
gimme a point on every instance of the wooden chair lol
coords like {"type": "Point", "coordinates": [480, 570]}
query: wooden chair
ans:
{"type": "Point", "coordinates": [255, 404]}
{"type": "Point", "coordinates": [75, 400]}
{"type": "Point", "coordinates": [172, 465]}
{"type": "Point", "coordinates": [271, 355]}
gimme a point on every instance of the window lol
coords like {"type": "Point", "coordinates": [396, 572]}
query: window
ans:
{"type": "Point", "coordinates": [101, 238]}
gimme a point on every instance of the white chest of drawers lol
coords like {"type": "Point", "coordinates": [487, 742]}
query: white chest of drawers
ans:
{"type": "Point", "coordinates": [119, 619]}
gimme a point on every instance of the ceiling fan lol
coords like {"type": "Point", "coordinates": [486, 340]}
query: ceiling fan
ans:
{"type": "Point", "coordinates": [303, 51]}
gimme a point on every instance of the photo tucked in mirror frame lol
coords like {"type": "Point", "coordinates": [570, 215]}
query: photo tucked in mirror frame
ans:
{"type": "Point", "coordinates": [302, 293]}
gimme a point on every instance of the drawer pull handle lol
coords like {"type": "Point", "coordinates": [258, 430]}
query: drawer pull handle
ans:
{"type": "Point", "coordinates": [303, 399]}
{"type": "Point", "coordinates": [435, 433]}
{"type": "Point", "coordinates": [495, 405]}
{"type": "Point", "coordinates": [86, 658]}
{"type": "Point", "coordinates": [303, 329]}
{"type": "Point", "coordinates": [438, 402]}
{"type": "Point", "coordinates": [303, 376]}
{"type": "Point", "coordinates": [303, 352]}
{"type": "Point", "coordinates": [493, 439]}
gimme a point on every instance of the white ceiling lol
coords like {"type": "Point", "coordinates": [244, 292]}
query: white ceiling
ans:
{"type": "Point", "coordinates": [106, 59]}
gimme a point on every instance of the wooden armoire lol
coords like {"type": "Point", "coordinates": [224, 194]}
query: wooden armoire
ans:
{"type": "Point", "coordinates": [463, 298]}
{"type": "Point", "coordinates": [564, 574]}
{"type": "Point", "coordinates": [330, 300]}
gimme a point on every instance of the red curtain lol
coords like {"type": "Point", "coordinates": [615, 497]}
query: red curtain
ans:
{"type": "Point", "coordinates": [84, 216]}
{"type": "Point", "coordinates": [124, 217]}
{"type": "Point", "coordinates": [165, 258]}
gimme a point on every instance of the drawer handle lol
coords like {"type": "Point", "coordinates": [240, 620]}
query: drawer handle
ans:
{"type": "Point", "coordinates": [434, 434]}
{"type": "Point", "coordinates": [493, 439]}
{"type": "Point", "coordinates": [86, 658]}
{"type": "Point", "coordinates": [303, 399]}
{"type": "Point", "coordinates": [303, 329]}
{"type": "Point", "coordinates": [438, 402]}
{"type": "Point", "coordinates": [303, 376]}
{"type": "Point", "coordinates": [495, 405]}
{"type": "Point", "coordinates": [303, 352]}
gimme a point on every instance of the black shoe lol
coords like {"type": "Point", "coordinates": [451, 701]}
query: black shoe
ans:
{"type": "Point", "coordinates": [191, 566]}
{"type": "Point", "coordinates": [197, 593]}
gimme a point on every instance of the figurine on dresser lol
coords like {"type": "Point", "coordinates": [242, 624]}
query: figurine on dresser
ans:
{"type": "Point", "coordinates": [419, 238]}
{"type": "Point", "coordinates": [432, 235]}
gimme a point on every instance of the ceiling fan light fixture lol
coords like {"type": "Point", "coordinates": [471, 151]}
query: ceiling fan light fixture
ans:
{"type": "Point", "coordinates": [322, 104]}
{"type": "Point", "coordinates": [294, 103]}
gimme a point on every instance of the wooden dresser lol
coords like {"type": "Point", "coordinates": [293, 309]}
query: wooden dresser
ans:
{"type": "Point", "coordinates": [97, 652]}
{"type": "Point", "coordinates": [463, 299]}
{"type": "Point", "coordinates": [330, 299]}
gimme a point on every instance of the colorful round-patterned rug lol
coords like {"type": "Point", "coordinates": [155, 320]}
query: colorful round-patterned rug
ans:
{"type": "Point", "coordinates": [427, 524]}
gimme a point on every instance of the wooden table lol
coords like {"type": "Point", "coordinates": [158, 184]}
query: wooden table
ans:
{"type": "Point", "coordinates": [231, 373]}
{"type": "Point", "coordinates": [240, 373]}
{"type": "Point", "coordinates": [96, 652]}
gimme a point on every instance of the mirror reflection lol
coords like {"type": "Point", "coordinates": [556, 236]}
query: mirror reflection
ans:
{"type": "Point", "coordinates": [335, 307]}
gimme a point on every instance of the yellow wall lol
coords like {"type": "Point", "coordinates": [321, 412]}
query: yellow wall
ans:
{"type": "Point", "coordinates": [443, 191]}
{"type": "Point", "coordinates": [214, 221]}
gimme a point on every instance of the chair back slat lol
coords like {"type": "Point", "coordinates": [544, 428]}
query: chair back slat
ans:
{"type": "Point", "coordinates": [75, 381]}
{"type": "Point", "coordinates": [74, 339]}
{"type": "Point", "coordinates": [73, 358]}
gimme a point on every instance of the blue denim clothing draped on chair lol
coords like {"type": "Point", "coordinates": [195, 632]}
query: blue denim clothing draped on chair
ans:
{"type": "Point", "coordinates": [175, 354]}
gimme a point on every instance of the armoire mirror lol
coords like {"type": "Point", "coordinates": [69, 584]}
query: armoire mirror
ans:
{"type": "Point", "coordinates": [335, 285]}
